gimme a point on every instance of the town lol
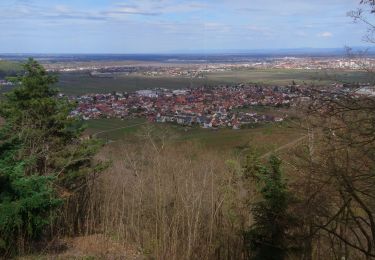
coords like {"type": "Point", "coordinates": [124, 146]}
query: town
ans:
{"type": "Point", "coordinates": [198, 68]}
{"type": "Point", "coordinates": [208, 107]}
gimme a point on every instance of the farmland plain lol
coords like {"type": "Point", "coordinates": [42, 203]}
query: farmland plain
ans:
{"type": "Point", "coordinates": [82, 83]}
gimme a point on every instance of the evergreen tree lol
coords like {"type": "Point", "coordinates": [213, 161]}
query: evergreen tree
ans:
{"type": "Point", "coordinates": [26, 202]}
{"type": "Point", "coordinates": [43, 158]}
{"type": "Point", "coordinates": [267, 237]}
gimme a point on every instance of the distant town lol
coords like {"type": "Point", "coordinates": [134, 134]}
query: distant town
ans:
{"type": "Point", "coordinates": [198, 68]}
{"type": "Point", "coordinates": [208, 107]}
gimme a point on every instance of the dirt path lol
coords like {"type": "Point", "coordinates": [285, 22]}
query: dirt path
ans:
{"type": "Point", "coordinates": [115, 129]}
{"type": "Point", "coordinates": [285, 146]}
{"type": "Point", "coordinates": [88, 247]}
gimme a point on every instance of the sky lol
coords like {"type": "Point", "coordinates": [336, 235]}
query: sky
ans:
{"type": "Point", "coordinates": [167, 26]}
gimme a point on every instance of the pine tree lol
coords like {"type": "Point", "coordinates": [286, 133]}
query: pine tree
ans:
{"type": "Point", "coordinates": [43, 159]}
{"type": "Point", "coordinates": [26, 202]}
{"type": "Point", "coordinates": [266, 239]}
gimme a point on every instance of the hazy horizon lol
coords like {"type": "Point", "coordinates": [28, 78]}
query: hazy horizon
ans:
{"type": "Point", "coordinates": [269, 51]}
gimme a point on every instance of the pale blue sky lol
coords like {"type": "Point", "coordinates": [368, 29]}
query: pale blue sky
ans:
{"type": "Point", "coordinates": [154, 26]}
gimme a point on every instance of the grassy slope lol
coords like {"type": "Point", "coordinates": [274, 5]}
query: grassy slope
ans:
{"type": "Point", "coordinates": [264, 138]}
{"type": "Point", "coordinates": [113, 129]}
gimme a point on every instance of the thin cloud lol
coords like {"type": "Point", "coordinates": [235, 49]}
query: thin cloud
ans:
{"type": "Point", "coordinates": [158, 7]}
{"type": "Point", "coordinates": [251, 10]}
{"type": "Point", "coordinates": [325, 34]}
{"type": "Point", "coordinates": [27, 9]}
{"type": "Point", "coordinates": [150, 25]}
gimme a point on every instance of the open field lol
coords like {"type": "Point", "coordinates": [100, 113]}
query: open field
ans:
{"type": "Point", "coordinates": [264, 138]}
{"type": "Point", "coordinates": [81, 83]}
{"type": "Point", "coordinates": [113, 128]}
{"type": "Point", "coordinates": [286, 76]}
{"type": "Point", "coordinates": [9, 68]}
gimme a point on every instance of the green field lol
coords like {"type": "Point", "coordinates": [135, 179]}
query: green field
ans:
{"type": "Point", "coordinates": [264, 138]}
{"type": "Point", "coordinates": [286, 76]}
{"type": "Point", "coordinates": [81, 83]}
{"type": "Point", "coordinates": [113, 128]}
{"type": "Point", "coordinates": [9, 68]}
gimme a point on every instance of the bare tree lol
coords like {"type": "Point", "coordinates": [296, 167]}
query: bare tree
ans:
{"type": "Point", "coordinates": [337, 166]}
{"type": "Point", "coordinates": [337, 170]}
